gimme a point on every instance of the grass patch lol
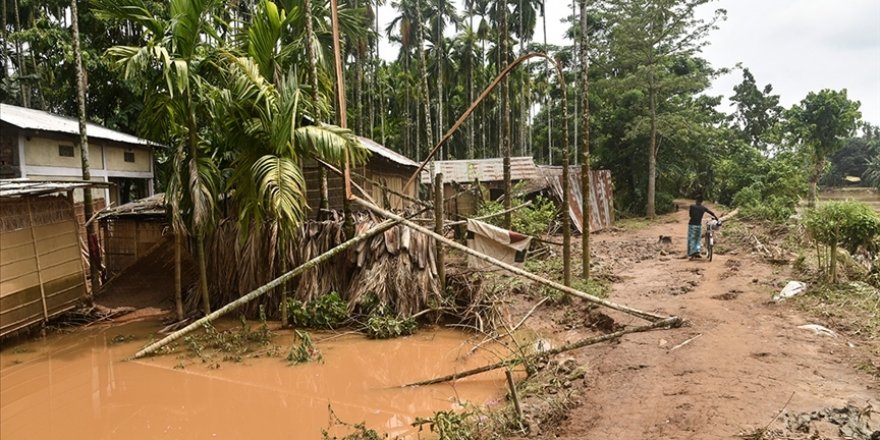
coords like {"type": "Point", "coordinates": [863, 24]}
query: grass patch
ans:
{"type": "Point", "coordinates": [851, 308]}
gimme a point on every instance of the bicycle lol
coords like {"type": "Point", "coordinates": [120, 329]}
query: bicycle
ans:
{"type": "Point", "coordinates": [711, 226]}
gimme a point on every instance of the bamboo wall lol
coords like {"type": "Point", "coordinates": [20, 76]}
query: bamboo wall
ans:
{"type": "Point", "coordinates": [389, 176]}
{"type": "Point", "coordinates": [41, 265]}
{"type": "Point", "coordinates": [128, 239]}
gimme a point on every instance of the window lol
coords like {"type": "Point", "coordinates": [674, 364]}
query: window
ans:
{"type": "Point", "coordinates": [128, 156]}
{"type": "Point", "coordinates": [65, 150]}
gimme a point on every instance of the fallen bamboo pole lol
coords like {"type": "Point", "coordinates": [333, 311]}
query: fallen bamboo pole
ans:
{"type": "Point", "coordinates": [670, 322]}
{"type": "Point", "coordinates": [510, 268]}
{"type": "Point", "coordinates": [266, 288]}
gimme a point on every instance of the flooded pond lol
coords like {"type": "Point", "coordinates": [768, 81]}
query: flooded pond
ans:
{"type": "Point", "coordinates": [867, 196]}
{"type": "Point", "coordinates": [79, 385]}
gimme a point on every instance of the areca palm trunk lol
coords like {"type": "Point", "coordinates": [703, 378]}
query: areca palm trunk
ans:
{"type": "Point", "coordinates": [420, 31]}
{"type": "Point", "coordinates": [586, 195]}
{"type": "Point", "coordinates": [505, 119]}
{"type": "Point", "coordinates": [88, 207]}
{"type": "Point", "coordinates": [324, 200]}
{"type": "Point", "coordinates": [23, 88]}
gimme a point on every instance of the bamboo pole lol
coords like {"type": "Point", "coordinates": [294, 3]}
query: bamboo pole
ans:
{"type": "Point", "coordinates": [670, 322]}
{"type": "Point", "coordinates": [510, 268]}
{"type": "Point", "coordinates": [514, 396]}
{"type": "Point", "coordinates": [37, 259]}
{"type": "Point", "coordinates": [266, 288]}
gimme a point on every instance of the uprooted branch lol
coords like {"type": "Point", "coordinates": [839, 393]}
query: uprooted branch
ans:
{"type": "Point", "coordinates": [671, 322]}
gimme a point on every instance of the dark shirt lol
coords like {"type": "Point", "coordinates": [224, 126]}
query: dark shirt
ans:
{"type": "Point", "coordinates": [697, 212]}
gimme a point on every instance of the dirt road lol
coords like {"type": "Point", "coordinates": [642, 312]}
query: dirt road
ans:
{"type": "Point", "coordinates": [747, 360]}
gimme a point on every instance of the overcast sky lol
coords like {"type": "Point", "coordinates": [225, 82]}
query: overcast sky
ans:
{"type": "Point", "coordinates": [798, 46]}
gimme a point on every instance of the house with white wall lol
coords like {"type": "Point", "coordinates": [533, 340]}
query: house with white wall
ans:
{"type": "Point", "coordinates": [38, 145]}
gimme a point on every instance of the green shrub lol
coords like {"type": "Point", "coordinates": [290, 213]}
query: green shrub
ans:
{"type": "Point", "coordinates": [328, 311]}
{"type": "Point", "coordinates": [533, 220]}
{"type": "Point", "coordinates": [664, 203]}
{"type": "Point", "coordinates": [380, 326]}
{"type": "Point", "coordinates": [845, 224]}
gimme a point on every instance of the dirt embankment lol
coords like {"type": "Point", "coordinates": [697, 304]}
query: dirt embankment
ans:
{"type": "Point", "coordinates": [735, 364]}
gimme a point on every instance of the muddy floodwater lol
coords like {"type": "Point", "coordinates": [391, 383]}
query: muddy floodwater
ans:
{"type": "Point", "coordinates": [79, 385]}
{"type": "Point", "coordinates": [867, 196]}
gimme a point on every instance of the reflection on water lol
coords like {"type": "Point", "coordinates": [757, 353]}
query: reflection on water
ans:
{"type": "Point", "coordinates": [78, 385]}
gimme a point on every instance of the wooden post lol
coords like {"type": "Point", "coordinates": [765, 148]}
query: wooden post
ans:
{"type": "Point", "coordinates": [438, 228]}
{"type": "Point", "coordinates": [37, 258]}
{"type": "Point", "coordinates": [510, 268]}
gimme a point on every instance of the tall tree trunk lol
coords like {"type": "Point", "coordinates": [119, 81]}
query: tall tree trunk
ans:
{"type": "Point", "coordinates": [324, 200]}
{"type": "Point", "coordinates": [586, 207]}
{"type": "Point", "coordinates": [549, 118]}
{"type": "Point", "coordinates": [22, 87]}
{"type": "Point", "coordinates": [38, 79]}
{"type": "Point", "coordinates": [440, 79]}
{"type": "Point", "coordinates": [5, 36]}
{"type": "Point", "coordinates": [505, 119]}
{"type": "Point", "coordinates": [813, 195]}
{"type": "Point", "coordinates": [574, 87]}
{"type": "Point", "coordinates": [88, 206]}
{"type": "Point", "coordinates": [178, 274]}
{"type": "Point", "coordinates": [652, 151]}
{"type": "Point", "coordinates": [566, 190]}
{"type": "Point", "coordinates": [426, 95]}
{"type": "Point", "coordinates": [470, 80]}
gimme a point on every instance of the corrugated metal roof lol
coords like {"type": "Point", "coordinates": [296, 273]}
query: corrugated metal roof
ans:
{"type": "Point", "coordinates": [149, 206]}
{"type": "Point", "coordinates": [30, 119]}
{"type": "Point", "coordinates": [383, 151]}
{"type": "Point", "coordinates": [26, 187]}
{"type": "Point", "coordinates": [486, 170]}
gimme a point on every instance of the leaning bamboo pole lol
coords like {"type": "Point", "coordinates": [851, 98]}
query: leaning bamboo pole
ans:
{"type": "Point", "coordinates": [510, 268]}
{"type": "Point", "coordinates": [673, 321]}
{"type": "Point", "coordinates": [250, 296]}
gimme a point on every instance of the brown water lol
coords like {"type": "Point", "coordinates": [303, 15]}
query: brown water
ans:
{"type": "Point", "coordinates": [78, 385]}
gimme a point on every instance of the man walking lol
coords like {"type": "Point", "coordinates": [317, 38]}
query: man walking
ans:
{"type": "Point", "coordinates": [695, 229]}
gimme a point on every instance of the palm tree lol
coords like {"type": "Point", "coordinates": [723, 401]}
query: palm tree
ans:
{"type": "Point", "coordinates": [88, 206]}
{"type": "Point", "coordinates": [174, 61]}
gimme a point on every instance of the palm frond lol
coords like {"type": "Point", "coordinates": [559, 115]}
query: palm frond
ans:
{"type": "Point", "coordinates": [330, 144]}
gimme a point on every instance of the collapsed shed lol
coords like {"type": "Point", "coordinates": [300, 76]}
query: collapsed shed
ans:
{"type": "Point", "coordinates": [42, 269]}
{"type": "Point", "coordinates": [385, 167]}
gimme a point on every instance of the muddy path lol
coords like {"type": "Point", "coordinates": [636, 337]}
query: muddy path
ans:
{"type": "Point", "coordinates": [747, 359]}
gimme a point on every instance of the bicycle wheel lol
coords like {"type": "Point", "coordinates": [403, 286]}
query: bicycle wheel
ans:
{"type": "Point", "coordinates": [710, 243]}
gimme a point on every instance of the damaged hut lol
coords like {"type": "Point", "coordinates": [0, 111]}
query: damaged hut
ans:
{"type": "Point", "coordinates": [42, 269]}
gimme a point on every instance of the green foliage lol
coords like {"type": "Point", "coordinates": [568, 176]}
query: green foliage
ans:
{"type": "Point", "coordinates": [775, 189]}
{"type": "Point", "coordinates": [664, 202]}
{"type": "Point", "coordinates": [304, 350]}
{"type": "Point", "coordinates": [448, 425]}
{"type": "Point", "coordinates": [533, 220]}
{"type": "Point", "coordinates": [846, 224]}
{"type": "Point", "coordinates": [328, 311]}
{"type": "Point", "coordinates": [382, 326]}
